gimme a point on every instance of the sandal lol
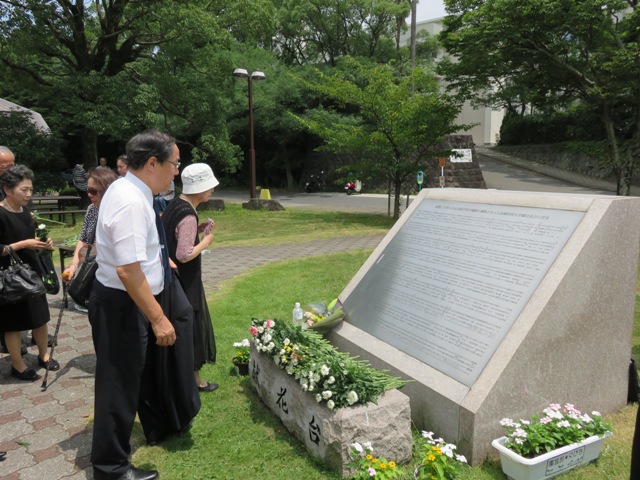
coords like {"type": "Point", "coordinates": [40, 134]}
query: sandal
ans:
{"type": "Point", "coordinates": [29, 374]}
{"type": "Point", "coordinates": [54, 366]}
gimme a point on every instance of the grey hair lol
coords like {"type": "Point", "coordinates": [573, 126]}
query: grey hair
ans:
{"type": "Point", "coordinates": [4, 149]}
{"type": "Point", "coordinates": [150, 143]}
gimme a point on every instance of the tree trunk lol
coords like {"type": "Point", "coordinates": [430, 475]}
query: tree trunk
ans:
{"type": "Point", "coordinates": [389, 184]}
{"type": "Point", "coordinates": [291, 184]}
{"type": "Point", "coordinates": [396, 201]}
{"type": "Point", "coordinates": [89, 148]}
{"type": "Point", "coordinates": [613, 151]}
{"type": "Point", "coordinates": [414, 6]}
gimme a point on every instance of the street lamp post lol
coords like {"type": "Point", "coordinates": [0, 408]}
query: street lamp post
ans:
{"type": "Point", "coordinates": [242, 73]}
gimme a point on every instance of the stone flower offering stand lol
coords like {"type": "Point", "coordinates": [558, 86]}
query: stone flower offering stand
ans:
{"type": "Point", "coordinates": [328, 434]}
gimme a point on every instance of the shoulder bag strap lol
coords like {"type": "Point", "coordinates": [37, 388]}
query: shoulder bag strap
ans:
{"type": "Point", "coordinates": [93, 240]}
{"type": "Point", "coordinates": [14, 256]}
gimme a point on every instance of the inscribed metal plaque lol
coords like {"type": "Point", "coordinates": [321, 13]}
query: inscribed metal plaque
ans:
{"type": "Point", "coordinates": [454, 278]}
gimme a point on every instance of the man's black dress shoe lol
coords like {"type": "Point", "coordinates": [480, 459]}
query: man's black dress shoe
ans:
{"type": "Point", "coordinates": [3, 455]}
{"type": "Point", "coordinates": [132, 474]}
{"type": "Point", "coordinates": [137, 474]}
{"type": "Point", "coordinates": [54, 366]}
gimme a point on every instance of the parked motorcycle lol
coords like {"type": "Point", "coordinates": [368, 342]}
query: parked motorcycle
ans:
{"type": "Point", "coordinates": [353, 187]}
{"type": "Point", "coordinates": [315, 183]}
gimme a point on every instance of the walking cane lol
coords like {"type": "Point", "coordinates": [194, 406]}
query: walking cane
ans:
{"type": "Point", "coordinates": [54, 341]}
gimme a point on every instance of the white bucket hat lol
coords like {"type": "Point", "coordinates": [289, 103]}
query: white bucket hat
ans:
{"type": "Point", "coordinates": [198, 178]}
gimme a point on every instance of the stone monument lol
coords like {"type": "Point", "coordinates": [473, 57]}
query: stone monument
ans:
{"type": "Point", "coordinates": [498, 303]}
{"type": "Point", "coordinates": [329, 434]}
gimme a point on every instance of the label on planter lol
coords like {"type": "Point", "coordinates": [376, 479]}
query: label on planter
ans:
{"type": "Point", "coordinates": [565, 461]}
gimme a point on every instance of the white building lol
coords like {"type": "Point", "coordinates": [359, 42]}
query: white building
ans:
{"type": "Point", "coordinates": [488, 120]}
{"type": "Point", "coordinates": [6, 107]}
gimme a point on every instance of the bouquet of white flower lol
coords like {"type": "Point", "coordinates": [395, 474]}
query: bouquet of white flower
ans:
{"type": "Point", "coordinates": [335, 378]}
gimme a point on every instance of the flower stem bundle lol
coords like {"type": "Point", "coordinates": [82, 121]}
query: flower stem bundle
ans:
{"type": "Point", "coordinates": [335, 378]}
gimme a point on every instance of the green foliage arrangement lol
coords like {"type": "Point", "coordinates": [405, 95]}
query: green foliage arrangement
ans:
{"type": "Point", "coordinates": [556, 427]}
{"type": "Point", "coordinates": [336, 379]}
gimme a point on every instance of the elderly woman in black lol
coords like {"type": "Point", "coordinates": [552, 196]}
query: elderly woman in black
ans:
{"type": "Point", "coordinates": [181, 223]}
{"type": "Point", "coordinates": [17, 230]}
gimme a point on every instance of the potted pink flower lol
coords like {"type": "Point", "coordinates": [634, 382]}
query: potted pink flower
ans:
{"type": "Point", "coordinates": [556, 441]}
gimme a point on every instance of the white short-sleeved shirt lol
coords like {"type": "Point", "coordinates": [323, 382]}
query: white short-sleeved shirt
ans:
{"type": "Point", "coordinates": [126, 233]}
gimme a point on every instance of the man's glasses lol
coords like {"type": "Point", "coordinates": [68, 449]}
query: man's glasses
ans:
{"type": "Point", "coordinates": [175, 164]}
{"type": "Point", "coordinates": [93, 191]}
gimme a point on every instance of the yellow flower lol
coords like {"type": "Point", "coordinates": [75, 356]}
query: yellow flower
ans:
{"type": "Point", "coordinates": [431, 458]}
{"type": "Point", "coordinates": [374, 460]}
{"type": "Point", "coordinates": [369, 456]}
{"type": "Point", "coordinates": [392, 464]}
{"type": "Point", "coordinates": [383, 466]}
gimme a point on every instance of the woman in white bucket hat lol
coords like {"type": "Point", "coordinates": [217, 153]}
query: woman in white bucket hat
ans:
{"type": "Point", "coordinates": [185, 246]}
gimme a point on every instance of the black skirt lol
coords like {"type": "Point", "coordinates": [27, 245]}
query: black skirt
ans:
{"type": "Point", "coordinates": [33, 313]}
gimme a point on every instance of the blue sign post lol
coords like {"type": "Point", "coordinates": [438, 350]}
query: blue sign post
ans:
{"type": "Point", "coordinates": [420, 179]}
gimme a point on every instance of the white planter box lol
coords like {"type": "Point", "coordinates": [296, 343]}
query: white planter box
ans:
{"type": "Point", "coordinates": [328, 434]}
{"type": "Point", "coordinates": [550, 464]}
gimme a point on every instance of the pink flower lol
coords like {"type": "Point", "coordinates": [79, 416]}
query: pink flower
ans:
{"type": "Point", "coordinates": [253, 330]}
{"type": "Point", "coordinates": [269, 324]}
{"type": "Point", "coordinates": [570, 407]}
{"type": "Point", "coordinates": [372, 472]}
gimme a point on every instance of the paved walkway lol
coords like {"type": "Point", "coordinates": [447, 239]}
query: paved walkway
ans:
{"type": "Point", "coordinates": [551, 171]}
{"type": "Point", "coordinates": [48, 434]}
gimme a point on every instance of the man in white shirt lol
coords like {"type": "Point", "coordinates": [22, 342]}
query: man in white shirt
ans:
{"type": "Point", "coordinates": [123, 300]}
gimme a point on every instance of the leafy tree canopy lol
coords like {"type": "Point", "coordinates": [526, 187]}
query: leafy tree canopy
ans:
{"type": "Point", "coordinates": [109, 69]}
{"type": "Point", "coordinates": [548, 54]}
{"type": "Point", "coordinates": [38, 150]}
{"type": "Point", "coordinates": [389, 123]}
{"type": "Point", "coordinates": [323, 31]}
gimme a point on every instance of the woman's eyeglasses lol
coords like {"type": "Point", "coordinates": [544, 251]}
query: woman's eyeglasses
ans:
{"type": "Point", "coordinates": [93, 191]}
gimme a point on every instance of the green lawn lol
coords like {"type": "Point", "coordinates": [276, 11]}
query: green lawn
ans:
{"type": "Point", "coordinates": [235, 436]}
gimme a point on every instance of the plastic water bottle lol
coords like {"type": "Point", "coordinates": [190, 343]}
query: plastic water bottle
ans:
{"type": "Point", "coordinates": [297, 315]}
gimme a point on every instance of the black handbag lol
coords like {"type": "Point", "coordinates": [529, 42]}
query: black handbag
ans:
{"type": "Point", "coordinates": [82, 282]}
{"type": "Point", "coordinates": [49, 275]}
{"type": "Point", "coordinates": [19, 281]}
